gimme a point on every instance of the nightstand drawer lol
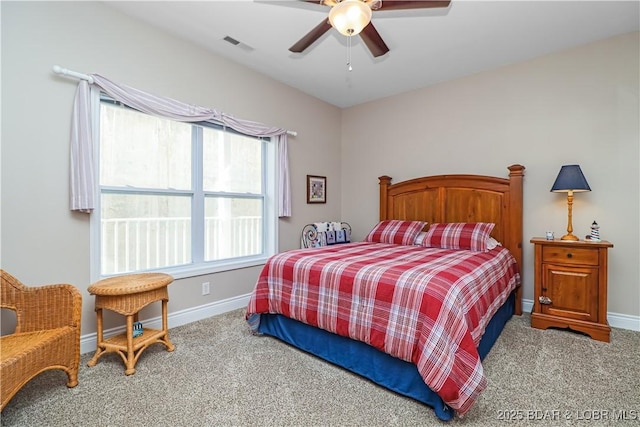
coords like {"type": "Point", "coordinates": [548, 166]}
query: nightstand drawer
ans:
{"type": "Point", "coordinates": [568, 255]}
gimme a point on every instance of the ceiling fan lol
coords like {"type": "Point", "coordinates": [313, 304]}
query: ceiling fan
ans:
{"type": "Point", "coordinates": [352, 17]}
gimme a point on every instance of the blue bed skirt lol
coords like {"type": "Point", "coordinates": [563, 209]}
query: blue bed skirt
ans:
{"type": "Point", "coordinates": [385, 370]}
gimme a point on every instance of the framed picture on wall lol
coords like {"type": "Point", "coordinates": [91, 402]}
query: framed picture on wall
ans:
{"type": "Point", "coordinates": [316, 189]}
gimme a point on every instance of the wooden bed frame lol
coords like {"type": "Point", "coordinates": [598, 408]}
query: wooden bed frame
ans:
{"type": "Point", "coordinates": [462, 198]}
{"type": "Point", "coordinates": [443, 198]}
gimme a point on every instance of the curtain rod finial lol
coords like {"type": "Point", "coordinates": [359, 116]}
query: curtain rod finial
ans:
{"type": "Point", "coordinates": [65, 72]}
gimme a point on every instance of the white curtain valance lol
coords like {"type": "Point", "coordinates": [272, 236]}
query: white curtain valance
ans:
{"type": "Point", "coordinates": [82, 166]}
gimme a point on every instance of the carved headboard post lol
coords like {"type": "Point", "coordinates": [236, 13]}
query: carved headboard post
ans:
{"type": "Point", "coordinates": [516, 174]}
{"type": "Point", "coordinates": [385, 181]}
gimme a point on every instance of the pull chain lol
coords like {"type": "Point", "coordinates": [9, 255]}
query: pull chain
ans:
{"type": "Point", "coordinates": [349, 49]}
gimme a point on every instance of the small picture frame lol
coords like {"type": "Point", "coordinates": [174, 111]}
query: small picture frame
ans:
{"type": "Point", "coordinates": [316, 189]}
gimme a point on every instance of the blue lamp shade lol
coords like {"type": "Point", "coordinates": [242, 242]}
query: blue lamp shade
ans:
{"type": "Point", "coordinates": [570, 178]}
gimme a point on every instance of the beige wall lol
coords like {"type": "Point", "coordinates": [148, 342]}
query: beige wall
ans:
{"type": "Point", "coordinates": [42, 241]}
{"type": "Point", "coordinates": [578, 106]}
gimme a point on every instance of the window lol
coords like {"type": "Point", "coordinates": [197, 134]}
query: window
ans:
{"type": "Point", "coordinates": [179, 197]}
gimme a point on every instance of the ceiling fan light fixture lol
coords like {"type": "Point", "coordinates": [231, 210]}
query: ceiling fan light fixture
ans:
{"type": "Point", "coordinates": [350, 17]}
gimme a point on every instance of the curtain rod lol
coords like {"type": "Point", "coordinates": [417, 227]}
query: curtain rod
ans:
{"type": "Point", "coordinates": [66, 72]}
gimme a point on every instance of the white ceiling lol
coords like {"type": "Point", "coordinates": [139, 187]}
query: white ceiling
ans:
{"type": "Point", "coordinates": [427, 46]}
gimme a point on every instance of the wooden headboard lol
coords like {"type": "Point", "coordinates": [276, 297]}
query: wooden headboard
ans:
{"type": "Point", "coordinates": [462, 198]}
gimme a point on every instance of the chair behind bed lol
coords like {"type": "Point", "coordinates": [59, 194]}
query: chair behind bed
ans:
{"type": "Point", "coordinates": [312, 238]}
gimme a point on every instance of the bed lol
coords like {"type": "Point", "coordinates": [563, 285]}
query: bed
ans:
{"type": "Point", "coordinates": [412, 311]}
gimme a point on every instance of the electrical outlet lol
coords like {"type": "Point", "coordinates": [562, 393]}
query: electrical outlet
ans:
{"type": "Point", "coordinates": [205, 288]}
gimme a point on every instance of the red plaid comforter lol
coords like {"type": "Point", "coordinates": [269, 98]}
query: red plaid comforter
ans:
{"type": "Point", "coordinates": [423, 305]}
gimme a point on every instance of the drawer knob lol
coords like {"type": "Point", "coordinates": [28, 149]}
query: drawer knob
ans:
{"type": "Point", "coordinates": [544, 300]}
{"type": "Point", "coordinates": [569, 255]}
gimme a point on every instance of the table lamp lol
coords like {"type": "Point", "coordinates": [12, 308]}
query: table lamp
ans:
{"type": "Point", "coordinates": [570, 179]}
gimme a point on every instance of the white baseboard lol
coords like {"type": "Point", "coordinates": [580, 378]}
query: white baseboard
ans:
{"type": "Point", "coordinates": [88, 342]}
{"type": "Point", "coordinates": [616, 320]}
{"type": "Point", "coordinates": [183, 317]}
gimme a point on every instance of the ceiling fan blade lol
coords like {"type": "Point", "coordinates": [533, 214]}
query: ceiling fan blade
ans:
{"type": "Point", "coordinates": [412, 4]}
{"type": "Point", "coordinates": [311, 37]}
{"type": "Point", "coordinates": [329, 3]}
{"type": "Point", "coordinates": [374, 42]}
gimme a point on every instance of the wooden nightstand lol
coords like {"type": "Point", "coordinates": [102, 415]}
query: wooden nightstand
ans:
{"type": "Point", "coordinates": [570, 289]}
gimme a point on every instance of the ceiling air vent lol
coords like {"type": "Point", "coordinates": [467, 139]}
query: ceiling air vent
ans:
{"type": "Point", "coordinates": [238, 43]}
{"type": "Point", "coordinates": [231, 40]}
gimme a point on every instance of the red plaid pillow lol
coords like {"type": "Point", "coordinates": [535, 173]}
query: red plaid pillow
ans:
{"type": "Point", "coordinates": [472, 236]}
{"type": "Point", "coordinates": [395, 231]}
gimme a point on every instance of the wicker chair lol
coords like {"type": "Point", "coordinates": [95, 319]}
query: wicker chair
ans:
{"type": "Point", "coordinates": [47, 334]}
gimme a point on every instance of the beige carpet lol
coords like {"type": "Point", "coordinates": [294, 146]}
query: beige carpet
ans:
{"type": "Point", "coordinates": [220, 375]}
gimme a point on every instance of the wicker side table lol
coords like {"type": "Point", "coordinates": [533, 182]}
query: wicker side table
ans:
{"type": "Point", "coordinates": [127, 295]}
